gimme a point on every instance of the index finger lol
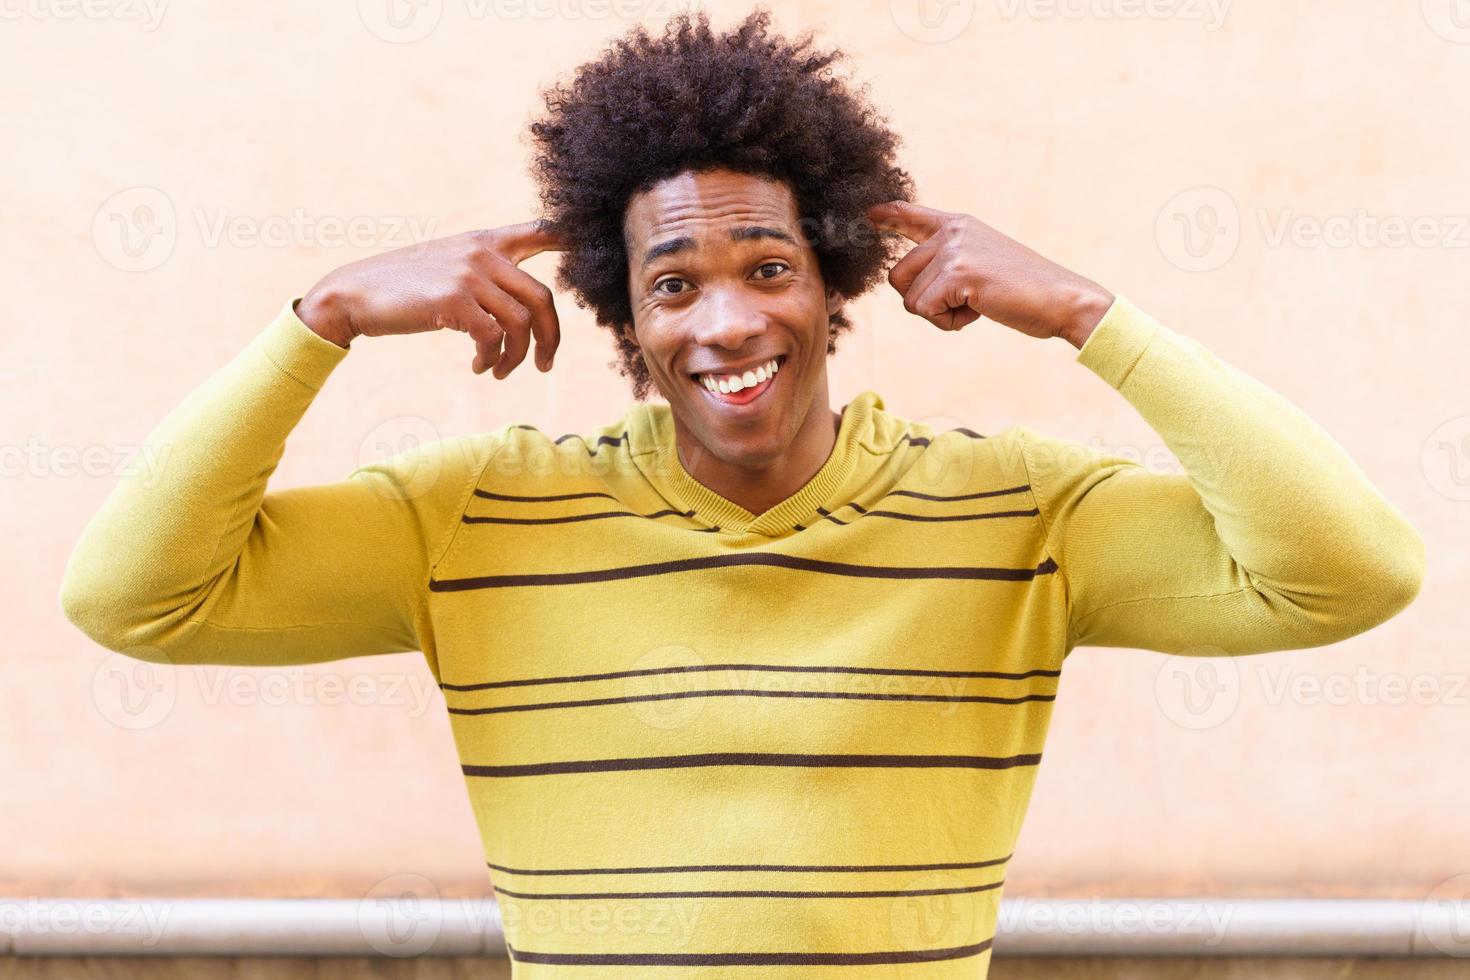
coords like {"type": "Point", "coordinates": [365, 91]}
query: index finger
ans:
{"type": "Point", "coordinates": [913, 221]}
{"type": "Point", "coordinates": [529, 238]}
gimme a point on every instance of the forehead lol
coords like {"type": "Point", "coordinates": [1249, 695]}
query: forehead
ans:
{"type": "Point", "coordinates": [699, 204]}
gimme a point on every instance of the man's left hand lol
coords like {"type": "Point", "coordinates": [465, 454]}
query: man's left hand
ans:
{"type": "Point", "coordinates": [962, 269]}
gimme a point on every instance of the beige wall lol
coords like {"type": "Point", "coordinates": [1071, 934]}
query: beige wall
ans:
{"type": "Point", "coordinates": [1087, 137]}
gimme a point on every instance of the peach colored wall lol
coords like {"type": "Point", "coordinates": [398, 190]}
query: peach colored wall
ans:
{"type": "Point", "coordinates": [176, 171]}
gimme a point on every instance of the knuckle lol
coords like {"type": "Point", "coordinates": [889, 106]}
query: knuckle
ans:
{"type": "Point", "coordinates": [443, 319]}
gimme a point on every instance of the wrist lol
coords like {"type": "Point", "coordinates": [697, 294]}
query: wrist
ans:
{"type": "Point", "coordinates": [1086, 311]}
{"type": "Point", "coordinates": [322, 312]}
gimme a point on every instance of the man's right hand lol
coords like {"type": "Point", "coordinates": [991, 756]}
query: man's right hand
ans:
{"type": "Point", "coordinates": [467, 282]}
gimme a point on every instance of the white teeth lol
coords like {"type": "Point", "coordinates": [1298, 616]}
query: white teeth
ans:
{"type": "Point", "coordinates": [725, 384]}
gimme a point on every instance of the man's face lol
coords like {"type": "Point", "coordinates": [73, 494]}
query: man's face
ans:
{"type": "Point", "coordinates": [722, 282]}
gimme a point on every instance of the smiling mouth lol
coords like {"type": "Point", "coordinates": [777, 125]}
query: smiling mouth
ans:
{"type": "Point", "coordinates": [729, 389]}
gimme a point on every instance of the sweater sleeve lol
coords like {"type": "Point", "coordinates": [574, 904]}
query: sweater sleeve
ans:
{"type": "Point", "coordinates": [1271, 538]}
{"type": "Point", "coordinates": [194, 561]}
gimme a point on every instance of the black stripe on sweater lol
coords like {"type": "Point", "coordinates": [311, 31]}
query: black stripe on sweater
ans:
{"type": "Point", "coordinates": [680, 695]}
{"type": "Point", "coordinates": [779, 868]}
{"type": "Point", "coordinates": [755, 893]}
{"type": "Point", "coordinates": [783, 759]}
{"type": "Point", "coordinates": [750, 959]}
{"type": "Point", "coordinates": [574, 518]}
{"type": "Point", "coordinates": [791, 562]}
{"type": "Point", "coordinates": [1003, 675]}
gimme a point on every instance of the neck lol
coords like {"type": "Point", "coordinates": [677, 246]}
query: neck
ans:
{"type": "Point", "coordinates": [759, 488]}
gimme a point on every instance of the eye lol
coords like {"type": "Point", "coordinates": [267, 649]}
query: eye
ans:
{"type": "Point", "coordinates": [658, 287]}
{"type": "Point", "coordinates": [779, 268]}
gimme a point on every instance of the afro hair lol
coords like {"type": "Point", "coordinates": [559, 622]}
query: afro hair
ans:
{"type": "Point", "coordinates": [692, 99]}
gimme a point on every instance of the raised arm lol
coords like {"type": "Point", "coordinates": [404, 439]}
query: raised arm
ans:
{"type": "Point", "coordinates": [1271, 539]}
{"type": "Point", "coordinates": [196, 561]}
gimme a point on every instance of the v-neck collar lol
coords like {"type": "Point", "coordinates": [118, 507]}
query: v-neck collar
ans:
{"type": "Point", "coordinates": [652, 442]}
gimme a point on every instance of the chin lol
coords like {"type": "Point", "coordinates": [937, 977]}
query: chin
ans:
{"type": "Point", "coordinates": [748, 453]}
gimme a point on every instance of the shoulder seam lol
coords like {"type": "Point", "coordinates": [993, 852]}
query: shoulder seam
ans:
{"type": "Point", "coordinates": [477, 475]}
{"type": "Point", "coordinates": [1033, 491]}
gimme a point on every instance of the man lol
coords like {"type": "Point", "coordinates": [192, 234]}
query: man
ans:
{"type": "Point", "coordinates": [758, 686]}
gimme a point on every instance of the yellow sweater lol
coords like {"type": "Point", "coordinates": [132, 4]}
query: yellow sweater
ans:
{"type": "Point", "coordinates": [704, 742]}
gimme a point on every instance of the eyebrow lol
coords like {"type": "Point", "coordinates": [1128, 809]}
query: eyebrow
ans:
{"type": "Point", "coordinates": [744, 233]}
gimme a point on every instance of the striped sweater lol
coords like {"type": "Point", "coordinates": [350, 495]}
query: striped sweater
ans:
{"type": "Point", "coordinates": [704, 742]}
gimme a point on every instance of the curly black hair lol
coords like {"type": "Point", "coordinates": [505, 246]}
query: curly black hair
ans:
{"type": "Point", "coordinates": [653, 107]}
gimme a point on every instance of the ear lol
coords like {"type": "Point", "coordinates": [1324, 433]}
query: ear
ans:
{"type": "Point", "coordinates": [834, 301]}
{"type": "Point", "coordinates": [629, 335]}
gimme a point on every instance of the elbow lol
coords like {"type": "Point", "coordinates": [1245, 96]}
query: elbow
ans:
{"type": "Point", "coordinates": [87, 607]}
{"type": "Point", "coordinates": [103, 613]}
{"type": "Point", "coordinates": [1387, 582]}
{"type": "Point", "coordinates": [1402, 577]}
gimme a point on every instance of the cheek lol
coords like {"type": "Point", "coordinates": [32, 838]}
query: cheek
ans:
{"type": "Point", "coordinates": [657, 334]}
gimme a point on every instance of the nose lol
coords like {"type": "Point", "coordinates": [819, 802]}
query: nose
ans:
{"type": "Point", "coordinates": [729, 318]}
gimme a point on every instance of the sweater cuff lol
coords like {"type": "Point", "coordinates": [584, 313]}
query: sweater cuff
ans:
{"type": "Point", "coordinates": [298, 350]}
{"type": "Point", "coordinates": [1118, 341]}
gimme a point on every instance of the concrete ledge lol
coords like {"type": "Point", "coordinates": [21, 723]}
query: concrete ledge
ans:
{"type": "Point", "coordinates": [1193, 927]}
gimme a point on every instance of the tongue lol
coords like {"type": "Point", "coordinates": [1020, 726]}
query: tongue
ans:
{"type": "Point", "coordinates": [745, 395]}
